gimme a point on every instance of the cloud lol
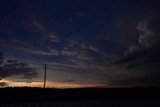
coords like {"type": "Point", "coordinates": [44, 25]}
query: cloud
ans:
{"type": "Point", "coordinates": [142, 60]}
{"type": "Point", "coordinates": [150, 32]}
{"type": "Point", "coordinates": [50, 52]}
{"type": "Point", "coordinates": [17, 69]}
{"type": "Point", "coordinates": [148, 44]}
{"type": "Point", "coordinates": [81, 14]}
{"type": "Point", "coordinates": [143, 74]}
{"type": "Point", "coordinates": [93, 48]}
{"type": "Point", "coordinates": [73, 43]}
{"type": "Point", "coordinates": [83, 46]}
{"type": "Point", "coordinates": [133, 48]}
{"type": "Point", "coordinates": [53, 37]}
{"type": "Point", "coordinates": [30, 48]}
{"type": "Point", "coordinates": [69, 81]}
{"type": "Point", "coordinates": [3, 84]}
{"type": "Point", "coordinates": [69, 53]}
{"type": "Point", "coordinates": [88, 56]}
{"type": "Point", "coordinates": [40, 27]}
{"type": "Point", "coordinates": [13, 67]}
{"type": "Point", "coordinates": [140, 69]}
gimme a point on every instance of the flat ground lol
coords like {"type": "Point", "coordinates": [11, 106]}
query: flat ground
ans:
{"type": "Point", "coordinates": [89, 97]}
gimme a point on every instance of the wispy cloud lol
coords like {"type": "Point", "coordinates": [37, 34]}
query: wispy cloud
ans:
{"type": "Point", "coordinates": [93, 48]}
{"type": "Point", "coordinates": [69, 53]}
{"type": "Point", "coordinates": [38, 25]}
{"type": "Point", "coordinates": [81, 14]}
{"type": "Point", "coordinates": [49, 35]}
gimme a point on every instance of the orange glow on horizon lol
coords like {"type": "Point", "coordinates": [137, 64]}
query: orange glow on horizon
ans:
{"type": "Point", "coordinates": [59, 85]}
{"type": "Point", "coordinates": [5, 80]}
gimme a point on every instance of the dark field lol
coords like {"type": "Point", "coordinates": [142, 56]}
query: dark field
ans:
{"type": "Point", "coordinates": [88, 97]}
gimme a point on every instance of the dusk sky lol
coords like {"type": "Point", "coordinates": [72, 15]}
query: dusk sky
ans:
{"type": "Point", "coordinates": [85, 43]}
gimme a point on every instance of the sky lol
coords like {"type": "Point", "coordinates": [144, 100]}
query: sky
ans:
{"type": "Point", "coordinates": [85, 43]}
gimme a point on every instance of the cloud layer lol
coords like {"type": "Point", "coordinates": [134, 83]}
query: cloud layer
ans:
{"type": "Point", "coordinates": [81, 41]}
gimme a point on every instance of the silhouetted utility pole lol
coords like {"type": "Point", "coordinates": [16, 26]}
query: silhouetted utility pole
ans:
{"type": "Point", "coordinates": [45, 75]}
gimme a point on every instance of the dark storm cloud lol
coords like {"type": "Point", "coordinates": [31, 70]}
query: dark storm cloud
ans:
{"type": "Point", "coordinates": [150, 32]}
{"type": "Point", "coordinates": [149, 55]}
{"type": "Point", "coordinates": [139, 66]}
{"type": "Point", "coordinates": [143, 74]}
{"type": "Point", "coordinates": [3, 84]}
{"type": "Point", "coordinates": [148, 44]}
{"type": "Point", "coordinates": [126, 22]}
{"type": "Point", "coordinates": [142, 59]}
{"type": "Point", "coordinates": [13, 67]}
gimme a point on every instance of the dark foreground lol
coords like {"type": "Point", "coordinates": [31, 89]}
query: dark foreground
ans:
{"type": "Point", "coordinates": [97, 97]}
{"type": "Point", "coordinates": [91, 103]}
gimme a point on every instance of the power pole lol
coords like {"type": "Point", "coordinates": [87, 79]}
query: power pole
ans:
{"type": "Point", "coordinates": [45, 75]}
